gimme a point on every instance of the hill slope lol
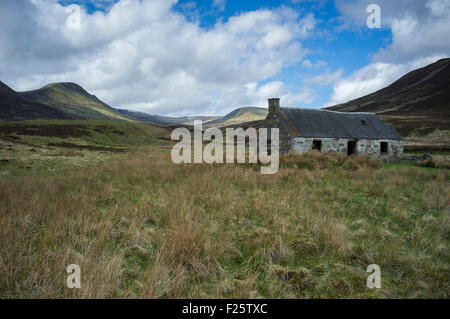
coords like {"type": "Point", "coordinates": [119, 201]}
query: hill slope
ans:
{"type": "Point", "coordinates": [14, 107]}
{"type": "Point", "coordinates": [240, 115]}
{"type": "Point", "coordinates": [424, 91]}
{"type": "Point", "coordinates": [55, 146]}
{"type": "Point", "coordinates": [165, 120]}
{"type": "Point", "coordinates": [417, 105]}
{"type": "Point", "coordinates": [54, 101]}
{"type": "Point", "coordinates": [74, 100]}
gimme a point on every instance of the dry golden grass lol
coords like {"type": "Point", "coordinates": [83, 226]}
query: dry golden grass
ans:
{"type": "Point", "coordinates": [145, 227]}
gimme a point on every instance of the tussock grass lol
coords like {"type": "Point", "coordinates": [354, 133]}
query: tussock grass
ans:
{"type": "Point", "coordinates": [436, 162]}
{"type": "Point", "coordinates": [145, 227]}
{"type": "Point", "coordinates": [56, 146]}
{"type": "Point", "coordinates": [316, 160]}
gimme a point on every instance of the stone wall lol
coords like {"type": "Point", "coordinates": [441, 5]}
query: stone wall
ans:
{"type": "Point", "coordinates": [339, 145]}
{"type": "Point", "coordinates": [372, 148]}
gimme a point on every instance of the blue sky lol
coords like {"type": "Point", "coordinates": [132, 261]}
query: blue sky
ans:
{"type": "Point", "coordinates": [209, 57]}
{"type": "Point", "coordinates": [339, 49]}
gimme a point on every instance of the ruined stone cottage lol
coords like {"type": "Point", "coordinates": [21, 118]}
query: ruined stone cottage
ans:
{"type": "Point", "coordinates": [303, 130]}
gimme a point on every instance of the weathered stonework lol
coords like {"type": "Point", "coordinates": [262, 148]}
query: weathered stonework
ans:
{"type": "Point", "coordinates": [273, 120]}
{"type": "Point", "coordinates": [372, 148]}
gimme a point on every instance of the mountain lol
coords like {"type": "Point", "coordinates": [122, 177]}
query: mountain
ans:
{"type": "Point", "coordinates": [65, 101]}
{"type": "Point", "coordinates": [15, 107]}
{"type": "Point", "coordinates": [425, 92]}
{"type": "Point", "coordinates": [165, 120]}
{"type": "Point", "coordinates": [73, 100]}
{"type": "Point", "coordinates": [240, 115]}
{"type": "Point", "coordinates": [70, 101]}
{"type": "Point", "coordinates": [189, 120]}
{"type": "Point", "coordinates": [417, 105]}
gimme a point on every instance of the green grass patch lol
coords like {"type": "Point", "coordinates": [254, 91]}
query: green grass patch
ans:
{"type": "Point", "coordinates": [55, 146]}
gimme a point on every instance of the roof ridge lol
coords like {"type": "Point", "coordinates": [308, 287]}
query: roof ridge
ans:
{"type": "Point", "coordinates": [323, 110]}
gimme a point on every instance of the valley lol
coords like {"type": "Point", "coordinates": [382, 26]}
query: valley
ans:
{"type": "Point", "coordinates": [105, 195]}
{"type": "Point", "coordinates": [84, 183]}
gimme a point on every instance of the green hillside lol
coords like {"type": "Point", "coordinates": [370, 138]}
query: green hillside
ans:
{"type": "Point", "coordinates": [54, 146]}
{"type": "Point", "coordinates": [74, 100]}
{"type": "Point", "coordinates": [15, 107]}
{"type": "Point", "coordinates": [165, 120]}
{"type": "Point", "coordinates": [240, 115]}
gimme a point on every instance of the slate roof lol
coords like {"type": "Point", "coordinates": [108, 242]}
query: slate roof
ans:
{"type": "Point", "coordinates": [331, 124]}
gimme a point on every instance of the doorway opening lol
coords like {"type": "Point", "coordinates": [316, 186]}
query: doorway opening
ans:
{"type": "Point", "coordinates": [384, 147]}
{"type": "Point", "coordinates": [317, 145]}
{"type": "Point", "coordinates": [351, 147]}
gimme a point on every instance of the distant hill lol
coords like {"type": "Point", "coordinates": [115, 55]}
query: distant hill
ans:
{"type": "Point", "coordinates": [424, 91]}
{"type": "Point", "coordinates": [189, 120]}
{"type": "Point", "coordinates": [240, 115]}
{"type": "Point", "coordinates": [165, 120]}
{"type": "Point", "coordinates": [417, 105]}
{"type": "Point", "coordinates": [15, 107]}
{"type": "Point", "coordinates": [72, 99]}
{"type": "Point", "coordinates": [64, 101]}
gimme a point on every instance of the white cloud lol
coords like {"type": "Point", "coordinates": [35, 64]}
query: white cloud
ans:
{"type": "Point", "coordinates": [372, 78]}
{"type": "Point", "coordinates": [418, 27]}
{"type": "Point", "coordinates": [145, 56]}
{"type": "Point", "coordinates": [419, 32]}
{"type": "Point", "coordinates": [325, 78]}
{"type": "Point", "coordinates": [99, 4]}
{"type": "Point", "coordinates": [353, 12]}
{"type": "Point", "coordinates": [307, 64]}
{"type": "Point", "coordinates": [317, 65]}
{"type": "Point", "coordinates": [219, 4]}
{"type": "Point", "coordinates": [278, 89]}
{"type": "Point", "coordinates": [320, 64]}
{"type": "Point", "coordinates": [413, 38]}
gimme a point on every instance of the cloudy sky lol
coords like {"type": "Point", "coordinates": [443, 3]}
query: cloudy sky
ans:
{"type": "Point", "coordinates": [208, 57]}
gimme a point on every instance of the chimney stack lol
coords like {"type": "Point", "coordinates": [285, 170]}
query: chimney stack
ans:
{"type": "Point", "coordinates": [274, 105]}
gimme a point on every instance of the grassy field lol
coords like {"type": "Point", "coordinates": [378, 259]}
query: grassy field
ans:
{"type": "Point", "coordinates": [140, 226]}
{"type": "Point", "coordinates": [54, 147]}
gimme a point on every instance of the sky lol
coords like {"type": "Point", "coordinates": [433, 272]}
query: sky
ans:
{"type": "Point", "coordinates": [208, 57]}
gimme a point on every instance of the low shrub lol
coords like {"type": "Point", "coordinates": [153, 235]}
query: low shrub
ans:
{"type": "Point", "coordinates": [316, 160]}
{"type": "Point", "coordinates": [428, 163]}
